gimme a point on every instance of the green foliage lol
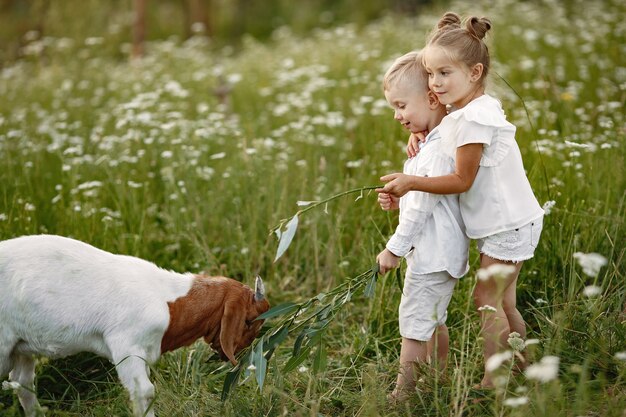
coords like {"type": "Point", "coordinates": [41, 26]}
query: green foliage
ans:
{"type": "Point", "coordinates": [188, 157]}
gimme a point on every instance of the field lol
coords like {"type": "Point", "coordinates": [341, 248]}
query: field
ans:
{"type": "Point", "coordinates": [192, 156]}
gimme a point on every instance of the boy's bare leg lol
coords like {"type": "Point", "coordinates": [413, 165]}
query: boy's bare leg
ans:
{"type": "Point", "coordinates": [413, 352]}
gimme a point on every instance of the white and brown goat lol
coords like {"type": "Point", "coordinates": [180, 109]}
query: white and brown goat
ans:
{"type": "Point", "coordinates": [59, 296]}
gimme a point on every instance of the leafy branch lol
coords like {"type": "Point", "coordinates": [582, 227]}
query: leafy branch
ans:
{"type": "Point", "coordinates": [308, 320]}
{"type": "Point", "coordinates": [290, 225]}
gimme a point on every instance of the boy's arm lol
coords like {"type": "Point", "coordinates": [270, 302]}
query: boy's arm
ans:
{"type": "Point", "coordinates": [419, 207]}
{"type": "Point", "coordinates": [414, 217]}
{"type": "Point", "coordinates": [467, 162]}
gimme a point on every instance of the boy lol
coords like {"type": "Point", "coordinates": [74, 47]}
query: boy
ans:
{"type": "Point", "coordinates": [430, 234]}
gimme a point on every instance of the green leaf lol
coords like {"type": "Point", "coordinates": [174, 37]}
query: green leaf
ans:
{"type": "Point", "coordinates": [399, 279]}
{"type": "Point", "coordinates": [275, 340]}
{"type": "Point", "coordinates": [260, 363]}
{"type": "Point", "coordinates": [286, 237]}
{"type": "Point", "coordinates": [370, 288]}
{"type": "Point", "coordinates": [296, 360]}
{"type": "Point", "coordinates": [298, 343]}
{"type": "Point", "coordinates": [279, 310]}
{"type": "Point", "coordinates": [231, 381]}
{"type": "Point", "coordinates": [319, 363]}
{"type": "Point", "coordinates": [347, 298]}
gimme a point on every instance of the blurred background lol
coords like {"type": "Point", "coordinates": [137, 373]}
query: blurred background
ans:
{"type": "Point", "coordinates": [128, 23]}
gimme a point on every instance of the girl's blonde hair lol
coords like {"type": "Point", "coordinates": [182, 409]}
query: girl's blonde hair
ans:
{"type": "Point", "coordinates": [408, 68]}
{"type": "Point", "coordinates": [463, 41]}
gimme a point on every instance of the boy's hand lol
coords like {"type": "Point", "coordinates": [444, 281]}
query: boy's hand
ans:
{"type": "Point", "coordinates": [397, 184]}
{"type": "Point", "coordinates": [412, 147]}
{"type": "Point", "coordinates": [388, 202]}
{"type": "Point", "coordinates": [387, 261]}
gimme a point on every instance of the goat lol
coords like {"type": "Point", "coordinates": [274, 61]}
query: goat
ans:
{"type": "Point", "coordinates": [60, 296]}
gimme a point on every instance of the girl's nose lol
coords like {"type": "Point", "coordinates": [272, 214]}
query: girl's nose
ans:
{"type": "Point", "coordinates": [397, 115]}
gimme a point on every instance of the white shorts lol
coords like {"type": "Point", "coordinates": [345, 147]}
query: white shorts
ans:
{"type": "Point", "coordinates": [513, 245]}
{"type": "Point", "coordinates": [424, 303]}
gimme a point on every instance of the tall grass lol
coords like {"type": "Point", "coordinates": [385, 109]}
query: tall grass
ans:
{"type": "Point", "coordinates": [146, 159]}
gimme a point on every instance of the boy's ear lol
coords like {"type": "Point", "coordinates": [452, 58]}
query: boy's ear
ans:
{"type": "Point", "coordinates": [433, 100]}
{"type": "Point", "coordinates": [477, 72]}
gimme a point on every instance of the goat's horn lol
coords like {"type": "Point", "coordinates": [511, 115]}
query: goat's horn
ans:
{"type": "Point", "coordinates": [259, 289]}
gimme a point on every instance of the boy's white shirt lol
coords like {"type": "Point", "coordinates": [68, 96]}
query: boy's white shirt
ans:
{"type": "Point", "coordinates": [431, 234]}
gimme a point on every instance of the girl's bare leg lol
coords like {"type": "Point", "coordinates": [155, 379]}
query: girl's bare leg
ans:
{"type": "Point", "coordinates": [500, 293]}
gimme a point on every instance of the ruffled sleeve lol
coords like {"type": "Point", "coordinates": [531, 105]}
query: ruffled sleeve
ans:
{"type": "Point", "coordinates": [481, 121]}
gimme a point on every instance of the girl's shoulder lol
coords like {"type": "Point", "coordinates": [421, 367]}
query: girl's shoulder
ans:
{"type": "Point", "coordinates": [484, 110]}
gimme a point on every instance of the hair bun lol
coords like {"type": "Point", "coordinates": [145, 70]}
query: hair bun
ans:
{"type": "Point", "coordinates": [450, 20]}
{"type": "Point", "coordinates": [478, 26]}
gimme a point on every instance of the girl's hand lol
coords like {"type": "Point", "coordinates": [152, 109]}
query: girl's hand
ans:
{"type": "Point", "coordinates": [387, 261]}
{"type": "Point", "coordinates": [397, 184]}
{"type": "Point", "coordinates": [412, 147]}
{"type": "Point", "coordinates": [388, 202]}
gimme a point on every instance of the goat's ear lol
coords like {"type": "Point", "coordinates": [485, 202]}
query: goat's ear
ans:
{"type": "Point", "coordinates": [259, 289]}
{"type": "Point", "coordinates": [232, 327]}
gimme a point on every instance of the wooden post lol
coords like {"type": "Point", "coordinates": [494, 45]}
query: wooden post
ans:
{"type": "Point", "coordinates": [139, 28]}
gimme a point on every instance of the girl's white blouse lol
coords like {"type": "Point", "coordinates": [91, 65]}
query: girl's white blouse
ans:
{"type": "Point", "coordinates": [501, 197]}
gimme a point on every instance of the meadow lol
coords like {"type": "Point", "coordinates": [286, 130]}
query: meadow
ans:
{"type": "Point", "coordinates": [192, 156]}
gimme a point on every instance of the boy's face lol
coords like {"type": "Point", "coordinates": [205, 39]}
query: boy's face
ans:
{"type": "Point", "coordinates": [410, 105]}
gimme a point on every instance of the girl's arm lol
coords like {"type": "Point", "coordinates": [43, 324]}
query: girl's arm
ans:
{"type": "Point", "coordinates": [467, 161]}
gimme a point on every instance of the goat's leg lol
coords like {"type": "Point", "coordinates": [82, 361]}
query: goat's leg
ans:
{"type": "Point", "coordinates": [6, 363]}
{"type": "Point", "coordinates": [134, 373]}
{"type": "Point", "coordinates": [24, 373]}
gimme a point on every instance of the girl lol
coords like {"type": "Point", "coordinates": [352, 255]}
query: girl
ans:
{"type": "Point", "coordinates": [497, 203]}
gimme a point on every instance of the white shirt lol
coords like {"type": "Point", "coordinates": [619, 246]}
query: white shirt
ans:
{"type": "Point", "coordinates": [500, 198]}
{"type": "Point", "coordinates": [431, 233]}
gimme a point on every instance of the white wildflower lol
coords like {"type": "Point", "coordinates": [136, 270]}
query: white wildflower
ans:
{"type": "Point", "coordinates": [516, 342]}
{"type": "Point", "coordinates": [621, 356]}
{"type": "Point", "coordinates": [592, 291]}
{"type": "Point", "coordinates": [530, 342]}
{"type": "Point", "coordinates": [547, 206]}
{"type": "Point", "coordinates": [515, 401]}
{"type": "Point", "coordinates": [219, 155]}
{"type": "Point", "coordinates": [354, 164]}
{"type": "Point", "coordinates": [541, 301]}
{"type": "Point", "coordinates": [3, 217]}
{"type": "Point", "coordinates": [251, 367]}
{"type": "Point", "coordinates": [497, 359]}
{"type": "Point", "coordinates": [495, 270]}
{"type": "Point", "coordinates": [8, 385]}
{"type": "Point", "coordinates": [590, 262]}
{"type": "Point", "coordinates": [545, 370]}
{"type": "Point", "coordinates": [302, 369]}
{"type": "Point", "coordinates": [301, 203]}
{"type": "Point", "coordinates": [234, 78]}
{"type": "Point", "coordinates": [487, 307]}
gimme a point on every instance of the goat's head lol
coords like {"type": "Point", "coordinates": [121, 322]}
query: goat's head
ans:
{"type": "Point", "coordinates": [239, 326]}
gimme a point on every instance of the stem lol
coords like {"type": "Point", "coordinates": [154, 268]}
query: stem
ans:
{"type": "Point", "coordinates": [326, 200]}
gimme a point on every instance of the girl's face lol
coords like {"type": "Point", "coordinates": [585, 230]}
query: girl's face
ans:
{"type": "Point", "coordinates": [410, 106]}
{"type": "Point", "coordinates": [453, 82]}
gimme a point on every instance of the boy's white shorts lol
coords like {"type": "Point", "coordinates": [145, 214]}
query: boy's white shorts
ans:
{"type": "Point", "coordinates": [424, 303]}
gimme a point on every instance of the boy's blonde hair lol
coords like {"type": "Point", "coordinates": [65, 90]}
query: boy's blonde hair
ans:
{"type": "Point", "coordinates": [408, 68]}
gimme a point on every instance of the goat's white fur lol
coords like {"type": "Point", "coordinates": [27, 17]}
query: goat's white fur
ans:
{"type": "Point", "coordinates": [59, 296]}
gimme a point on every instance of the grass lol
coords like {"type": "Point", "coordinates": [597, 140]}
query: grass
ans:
{"type": "Point", "coordinates": [146, 159]}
